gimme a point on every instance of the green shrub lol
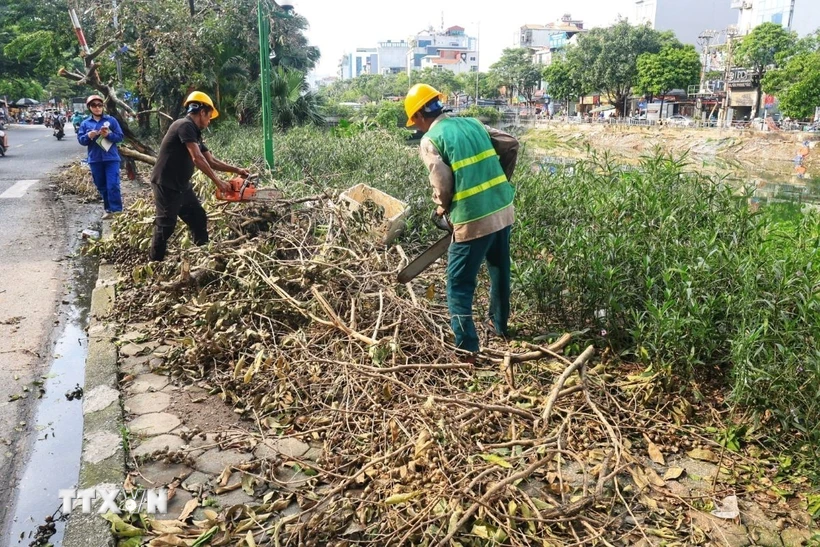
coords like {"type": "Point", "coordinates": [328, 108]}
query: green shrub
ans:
{"type": "Point", "coordinates": [664, 265]}
{"type": "Point", "coordinates": [675, 269]}
{"type": "Point", "coordinates": [487, 114]}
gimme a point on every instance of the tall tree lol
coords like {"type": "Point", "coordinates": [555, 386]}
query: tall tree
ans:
{"type": "Point", "coordinates": [762, 47]}
{"type": "Point", "coordinates": [562, 81]}
{"type": "Point", "coordinates": [796, 81]}
{"type": "Point", "coordinates": [516, 71]}
{"type": "Point", "coordinates": [670, 68]}
{"type": "Point", "coordinates": [606, 59]}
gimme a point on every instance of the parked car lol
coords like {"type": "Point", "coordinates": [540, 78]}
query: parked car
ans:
{"type": "Point", "coordinates": [681, 121]}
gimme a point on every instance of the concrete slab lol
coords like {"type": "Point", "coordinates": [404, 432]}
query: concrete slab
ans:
{"type": "Point", "coordinates": [135, 365]}
{"type": "Point", "coordinates": [132, 336]}
{"type": "Point", "coordinates": [131, 349]}
{"type": "Point", "coordinates": [99, 398]}
{"type": "Point", "coordinates": [160, 442]}
{"type": "Point", "coordinates": [196, 481]}
{"type": "Point", "coordinates": [291, 478]}
{"type": "Point", "coordinates": [236, 497]}
{"type": "Point", "coordinates": [100, 445]}
{"type": "Point", "coordinates": [175, 505]}
{"type": "Point", "coordinates": [274, 447]}
{"type": "Point", "coordinates": [155, 423]}
{"type": "Point", "coordinates": [214, 461]}
{"type": "Point", "coordinates": [159, 474]}
{"type": "Point", "coordinates": [145, 403]}
{"type": "Point", "coordinates": [148, 382]}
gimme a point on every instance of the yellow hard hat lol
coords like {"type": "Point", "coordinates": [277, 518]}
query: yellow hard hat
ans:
{"type": "Point", "coordinates": [418, 96]}
{"type": "Point", "coordinates": [200, 97]}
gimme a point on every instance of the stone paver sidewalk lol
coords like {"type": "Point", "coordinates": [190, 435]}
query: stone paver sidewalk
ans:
{"type": "Point", "coordinates": [188, 441]}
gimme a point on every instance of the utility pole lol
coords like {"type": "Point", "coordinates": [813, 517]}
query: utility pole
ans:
{"type": "Point", "coordinates": [727, 70]}
{"type": "Point", "coordinates": [477, 61]}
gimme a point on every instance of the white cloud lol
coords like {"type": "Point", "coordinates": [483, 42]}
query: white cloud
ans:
{"type": "Point", "coordinates": [339, 27]}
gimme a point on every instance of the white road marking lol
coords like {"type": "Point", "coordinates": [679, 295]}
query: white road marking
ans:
{"type": "Point", "coordinates": [35, 140]}
{"type": "Point", "coordinates": [18, 189]}
{"type": "Point", "coordinates": [19, 146]}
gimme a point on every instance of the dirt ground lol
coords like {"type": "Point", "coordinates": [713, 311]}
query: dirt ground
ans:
{"type": "Point", "coordinates": [748, 150]}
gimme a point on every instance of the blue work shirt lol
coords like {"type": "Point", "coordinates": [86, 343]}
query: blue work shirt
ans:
{"type": "Point", "coordinates": [97, 153]}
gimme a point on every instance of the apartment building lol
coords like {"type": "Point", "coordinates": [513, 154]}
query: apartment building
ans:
{"type": "Point", "coordinates": [687, 19]}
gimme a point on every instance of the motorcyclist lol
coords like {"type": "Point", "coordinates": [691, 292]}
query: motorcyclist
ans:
{"type": "Point", "coordinates": [57, 123]}
{"type": "Point", "coordinates": [76, 120]}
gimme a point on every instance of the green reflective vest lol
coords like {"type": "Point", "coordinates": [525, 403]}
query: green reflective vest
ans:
{"type": "Point", "coordinates": [481, 187]}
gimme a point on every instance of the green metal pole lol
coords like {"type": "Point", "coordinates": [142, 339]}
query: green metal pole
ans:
{"type": "Point", "coordinates": [264, 78]}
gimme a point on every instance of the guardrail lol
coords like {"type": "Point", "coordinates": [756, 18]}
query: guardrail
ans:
{"type": "Point", "coordinates": [759, 125]}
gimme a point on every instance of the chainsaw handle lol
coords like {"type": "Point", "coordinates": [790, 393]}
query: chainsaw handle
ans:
{"type": "Point", "coordinates": [442, 222]}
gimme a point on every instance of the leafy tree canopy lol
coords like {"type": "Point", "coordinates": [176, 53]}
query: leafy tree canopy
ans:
{"type": "Point", "coordinates": [516, 71]}
{"type": "Point", "coordinates": [796, 82]}
{"type": "Point", "coordinates": [562, 80]}
{"type": "Point", "coordinates": [606, 59]}
{"type": "Point", "coordinates": [764, 45]}
{"type": "Point", "coordinates": [670, 68]}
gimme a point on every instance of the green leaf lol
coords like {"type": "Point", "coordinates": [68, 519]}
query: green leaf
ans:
{"type": "Point", "coordinates": [120, 528]}
{"type": "Point", "coordinates": [496, 459]}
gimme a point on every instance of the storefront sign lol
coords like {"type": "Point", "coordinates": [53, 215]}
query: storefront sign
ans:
{"type": "Point", "coordinates": [742, 77]}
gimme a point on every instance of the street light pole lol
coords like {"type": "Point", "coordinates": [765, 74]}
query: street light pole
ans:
{"type": "Point", "coordinates": [264, 76]}
{"type": "Point", "coordinates": [264, 79]}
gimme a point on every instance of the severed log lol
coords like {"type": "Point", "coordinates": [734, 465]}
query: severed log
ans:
{"type": "Point", "coordinates": [128, 153]}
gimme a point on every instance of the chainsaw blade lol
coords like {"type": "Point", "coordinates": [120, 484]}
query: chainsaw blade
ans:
{"type": "Point", "coordinates": [423, 261]}
{"type": "Point", "coordinates": [266, 194]}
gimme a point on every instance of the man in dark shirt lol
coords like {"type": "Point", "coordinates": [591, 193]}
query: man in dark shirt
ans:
{"type": "Point", "coordinates": [181, 150]}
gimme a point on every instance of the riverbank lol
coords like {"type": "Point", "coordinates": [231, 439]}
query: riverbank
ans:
{"type": "Point", "coordinates": [769, 155]}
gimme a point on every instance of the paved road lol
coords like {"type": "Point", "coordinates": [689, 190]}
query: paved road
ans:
{"type": "Point", "coordinates": [33, 246]}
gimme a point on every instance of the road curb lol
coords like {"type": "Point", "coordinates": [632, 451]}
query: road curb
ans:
{"type": "Point", "coordinates": [102, 463]}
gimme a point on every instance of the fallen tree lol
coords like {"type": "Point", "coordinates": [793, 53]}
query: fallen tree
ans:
{"type": "Point", "coordinates": [114, 105]}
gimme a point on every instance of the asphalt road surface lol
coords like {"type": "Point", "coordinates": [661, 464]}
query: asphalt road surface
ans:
{"type": "Point", "coordinates": [33, 268]}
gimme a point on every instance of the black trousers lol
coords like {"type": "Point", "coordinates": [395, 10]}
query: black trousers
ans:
{"type": "Point", "coordinates": [172, 204]}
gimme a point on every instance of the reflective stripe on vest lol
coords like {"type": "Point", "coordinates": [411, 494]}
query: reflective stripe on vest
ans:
{"type": "Point", "coordinates": [475, 159]}
{"type": "Point", "coordinates": [480, 188]}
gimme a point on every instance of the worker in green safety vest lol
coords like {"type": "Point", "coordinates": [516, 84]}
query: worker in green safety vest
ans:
{"type": "Point", "coordinates": [470, 167]}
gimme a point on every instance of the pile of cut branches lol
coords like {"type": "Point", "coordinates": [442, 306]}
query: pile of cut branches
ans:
{"type": "Point", "coordinates": [292, 315]}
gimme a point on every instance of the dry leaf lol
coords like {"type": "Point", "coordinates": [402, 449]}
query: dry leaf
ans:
{"type": "Point", "coordinates": [653, 478]}
{"type": "Point", "coordinates": [169, 540]}
{"type": "Point", "coordinates": [167, 526]}
{"type": "Point", "coordinates": [188, 509]}
{"type": "Point", "coordinates": [422, 444]}
{"type": "Point", "coordinates": [655, 453]}
{"type": "Point", "coordinates": [702, 454]}
{"type": "Point", "coordinates": [249, 539]}
{"type": "Point", "coordinates": [430, 292]}
{"type": "Point", "coordinates": [225, 476]}
{"type": "Point", "coordinates": [640, 479]}
{"type": "Point", "coordinates": [673, 473]}
{"type": "Point", "coordinates": [727, 509]}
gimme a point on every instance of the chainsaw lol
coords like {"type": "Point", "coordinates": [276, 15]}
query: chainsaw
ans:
{"type": "Point", "coordinates": [245, 189]}
{"type": "Point", "coordinates": [433, 253]}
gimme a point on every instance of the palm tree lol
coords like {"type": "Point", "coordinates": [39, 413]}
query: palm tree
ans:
{"type": "Point", "coordinates": [291, 102]}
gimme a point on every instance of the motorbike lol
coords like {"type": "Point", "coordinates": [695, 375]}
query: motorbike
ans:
{"type": "Point", "coordinates": [57, 124]}
{"type": "Point", "coordinates": [4, 143]}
